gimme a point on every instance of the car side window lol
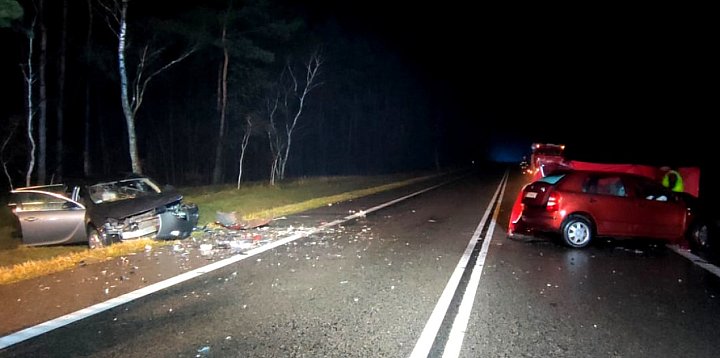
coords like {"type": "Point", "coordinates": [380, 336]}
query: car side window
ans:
{"type": "Point", "coordinates": [590, 185]}
{"type": "Point", "coordinates": [651, 190]}
{"type": "Point", "coordinates": [40, 202]}
{"type": "Point", "coordinates": [610, 185]}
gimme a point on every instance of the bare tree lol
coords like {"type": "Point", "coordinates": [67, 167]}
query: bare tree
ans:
{"type": "Point", "coordinates": [10, 133]}
{"type": "Point", "coordinates": [60, 107]}
{"type": "Point", "coordinates": [311, 71]}
{"type": "Point", "coordinates": [29, 75]}
{"type": "Point", "coordinates": [292, 93]}
{"type": "Point", "coordinates": [117, 12]}
{"type": "Point", "coordinates": [86, 129]}
{"type": "Point", "coordinates": [10, 11]}
{"type": "Point", "coordinates": [42, 97]}
{"type": "Point", "coordinates": [274, 140]}
{"type": "Point", "coordinates": [222, 102]}
{"type": "Point", "coordinates": [243, 146]}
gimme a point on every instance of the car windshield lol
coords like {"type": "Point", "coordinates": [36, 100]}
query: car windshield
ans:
{"type": "Point", "coordinates": [549, 151]}
{"type": "Point", "coordinates": [122, 189]}
{"type": "Point", "coordinates": [552, 179]}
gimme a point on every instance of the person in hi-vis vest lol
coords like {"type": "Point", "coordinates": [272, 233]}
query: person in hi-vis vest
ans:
{"type": "Point", "coordinates": [673, 181]}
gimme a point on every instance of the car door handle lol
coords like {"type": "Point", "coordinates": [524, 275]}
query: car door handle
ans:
{"type": "Point", "coordinates": [31, 219]}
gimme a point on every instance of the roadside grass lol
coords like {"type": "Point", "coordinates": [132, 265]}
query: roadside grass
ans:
{"type": "Point", "coordinates": [263, 201]}
{"type": "Point", "coordinates": [19, 262]}
{"type": "Point", "coordinates": [67, 259]}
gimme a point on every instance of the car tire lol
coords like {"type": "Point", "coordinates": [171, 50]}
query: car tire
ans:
{"type": "Point", "coordinates": [699, 236]}
{"type": "Point", "coordinates": [577, 231]}
{"type": "Point", "coordinates": [95, 239]}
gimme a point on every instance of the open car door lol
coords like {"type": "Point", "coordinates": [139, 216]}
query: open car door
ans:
{"type": "Point", "coordinates": [48, 218]}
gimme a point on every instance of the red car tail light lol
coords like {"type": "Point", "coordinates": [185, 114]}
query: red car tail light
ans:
{"type": "Point", "coordinates": [552, 203]}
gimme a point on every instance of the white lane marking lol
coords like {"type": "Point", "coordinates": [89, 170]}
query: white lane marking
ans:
{"type": "Point", "coordinates": [696, 259]}
{"type": "Point", "coordinates": [69, 318]}
{"type": "Point", "coordinates": [459, 327]}
{"type": "Point", "coordinates": [427, 337]}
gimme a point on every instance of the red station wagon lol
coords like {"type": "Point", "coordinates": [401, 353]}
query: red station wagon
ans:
{"type": "Point", "coordinates": [583, 204]}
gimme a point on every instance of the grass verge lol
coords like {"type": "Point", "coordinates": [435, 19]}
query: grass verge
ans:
{"type": "Point", "coordinates": [19, 262]}
{"type": "Point", "coordinates": [262, 200]}
{"type": "Point", "coordinates": [64, 261]}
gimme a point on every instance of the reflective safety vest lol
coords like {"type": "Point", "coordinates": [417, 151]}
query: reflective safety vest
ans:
{"type": "Point", "coordinates": [678, 187]}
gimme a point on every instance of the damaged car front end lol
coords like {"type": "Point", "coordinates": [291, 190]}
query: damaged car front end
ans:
{"type": "Point", "coordinates": [102, 212]}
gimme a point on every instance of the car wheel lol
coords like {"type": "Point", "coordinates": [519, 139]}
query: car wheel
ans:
{"type": "Point", "coordinates": [699, 236]}
{"type": "Point", "coordinates": [577, 232]}
{"type": "Point", "coordinates": [95, 240]}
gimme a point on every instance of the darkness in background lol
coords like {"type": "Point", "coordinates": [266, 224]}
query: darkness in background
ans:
{"type": "Point", "coordinates": [625, 84]}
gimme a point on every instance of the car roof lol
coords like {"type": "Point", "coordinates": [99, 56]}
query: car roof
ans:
{"type": "Point", "coordinates": [599, 172]}
{"type": "Point", "coordinates": [103, 178]}
{"type": "Point", "coordinates": [82, 181]}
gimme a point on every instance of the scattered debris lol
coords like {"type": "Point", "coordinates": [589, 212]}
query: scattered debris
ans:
{"type": "Point", "coordinates": [203, 351]}
{"type": "Point", "coordinates": [230, 221]}
{"type": "Point", "coordinates": [206, 249]}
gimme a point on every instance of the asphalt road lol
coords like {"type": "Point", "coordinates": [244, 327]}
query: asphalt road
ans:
{"type": "Point", "coordinates": [368, 287]}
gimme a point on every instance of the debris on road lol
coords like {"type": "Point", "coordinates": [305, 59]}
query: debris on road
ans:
{"type": "Point", "coordinates": [203, 351]}
{"type": "Point", "coordinates": [230, 221]}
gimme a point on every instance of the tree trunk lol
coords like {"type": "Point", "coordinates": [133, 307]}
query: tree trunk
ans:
{"type": "Point", "coordinates": [60, 109]}
{"type": "Point", "coordinates": [127, 109]}
{"type": "Point", "coordinates": [243, 147]}
{"type": "Point", "coordinates": [171, 134]}
{"type": "Point", "coordinates": [9, 136]}
{"type": "Point", "coordinates": [86, 134]}
{"type": "Point", "coordinates": [222, 98]}
{"type": "Point", "coordinates": [274, 169]}
{"type": "Point", "coordinates": [273, 137]}
{"type": "Point", "coordinates": [42, 98]}
{"type": "Point", "coordinates": [284, 157]}
{"type": "Point", "coordinates": [29, 79]}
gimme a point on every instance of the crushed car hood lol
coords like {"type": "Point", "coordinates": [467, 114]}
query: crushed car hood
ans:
{"type": "Point", "coordinates": [125, 208]}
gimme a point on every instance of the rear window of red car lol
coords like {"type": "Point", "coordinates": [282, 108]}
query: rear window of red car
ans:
{"type": "Point", "coordinates": [552, 179]}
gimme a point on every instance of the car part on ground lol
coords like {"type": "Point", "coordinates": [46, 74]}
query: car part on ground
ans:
{"type": "Point", "coordinates": [699, 236]}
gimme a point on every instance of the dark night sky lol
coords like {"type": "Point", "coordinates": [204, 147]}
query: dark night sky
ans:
{"type": "Point", "coordinates": [625, 83]}
{"type": "Point", "coordinates": [614, 83]}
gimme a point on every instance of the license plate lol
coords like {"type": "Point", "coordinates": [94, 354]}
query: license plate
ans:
{"type": "Point", "coordinates": [531, 195]}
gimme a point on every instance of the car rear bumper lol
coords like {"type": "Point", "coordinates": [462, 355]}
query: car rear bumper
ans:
{"type": "Point", "coordinates": [531, 222]}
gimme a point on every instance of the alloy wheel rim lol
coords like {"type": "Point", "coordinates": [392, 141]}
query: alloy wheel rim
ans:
{"type": "Point", "coordinates": [578, 233]}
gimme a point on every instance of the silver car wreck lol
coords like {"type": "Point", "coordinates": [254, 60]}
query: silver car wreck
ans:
{"type": "Point", "coordinates": [101, 212]}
